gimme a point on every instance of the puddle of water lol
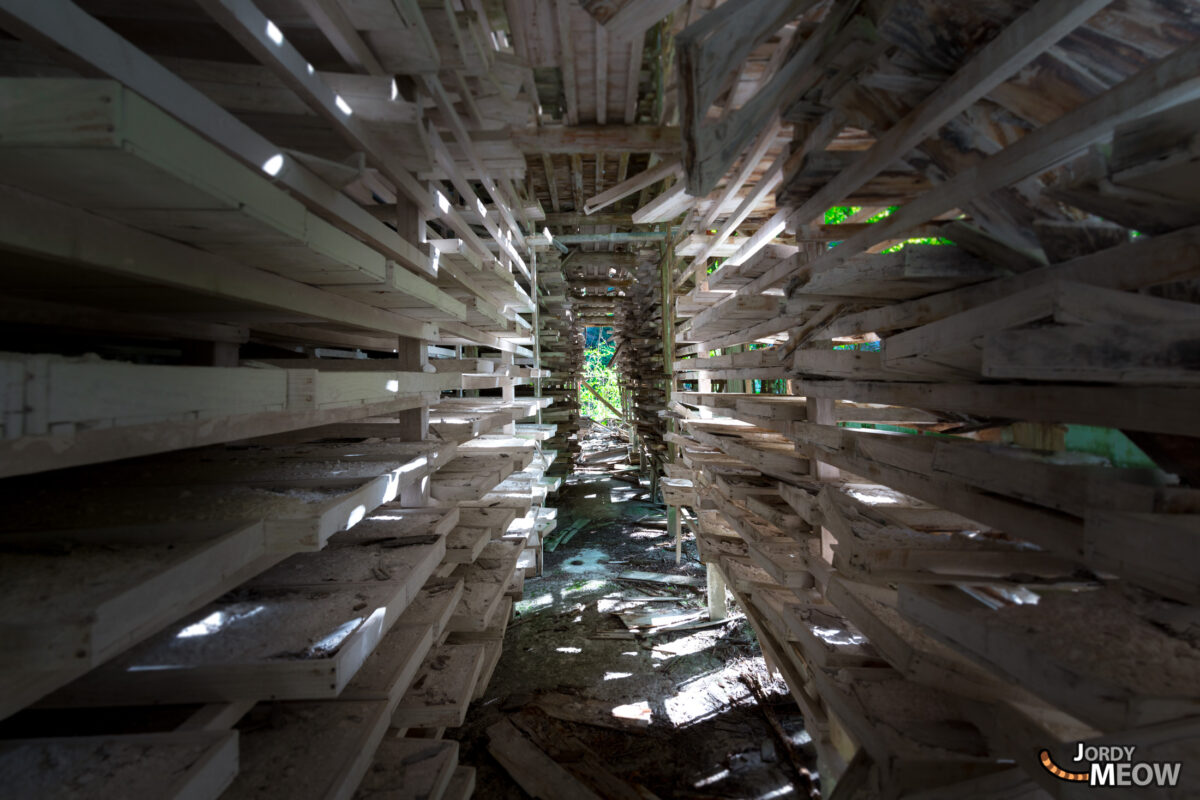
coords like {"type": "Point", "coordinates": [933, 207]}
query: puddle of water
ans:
{"type": "Point", "coordinates": [586, 561]}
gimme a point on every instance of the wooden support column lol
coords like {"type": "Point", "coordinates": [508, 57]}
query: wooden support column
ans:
{"type": "Point", "coordinates": [666, 297]}
{"type": "Point", "coordinates": [821, 411]}
{"type": "Point", "coordinates": [411, 353]}
{"type": "Point", "coordinates": [675, 530]}
{"type": "Point", "coordinates": [716, 592]}
{"type": "Point", "coordinates": [509, 391]}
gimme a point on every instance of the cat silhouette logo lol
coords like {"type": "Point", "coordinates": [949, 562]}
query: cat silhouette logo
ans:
{"type": "Point", "coordinates": [1112, 765]}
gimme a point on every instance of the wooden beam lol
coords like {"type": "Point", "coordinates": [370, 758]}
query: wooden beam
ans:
{"type": "Point", "coordinates": [333, 22]}
{"type": "Point", "coordinates": [630, 16]}
{"type": "Point", "coordinates": [642, 180]}
{"type": "Point", "coordinates": [1025, 39]}
{"type": "Point", "coordinates": [551, 181]}
{"type": "Point", "coordinates": [589, 139]}
{"type": "Point", "coordinates": [601, 85]}
{"type": "Point", "coordinates": [443, 157]}
{"type": "Point", "coordinates": [768, 183]}
{"type": "Point", "coordinates": [1169, 82]}
{"type": "Point", "coordinates": [570, 220]}
{"type": "Point", "coordinates": [632, 76]}
{"type": "Point", "coordinates": [451, 118]}
{"type": "Point", "coordinates": [577, 181]}
{"type": "Point", "coordinates": [87, 42]}
{"type": "Point", "coordinates": [45, 229]}
{"type": "Point", "coordinates": [667, 206]}
{"type": "Point", "coordinates": [749, 164]}
{"type": "Point", "coordinates": [710, 50]}
{"type": "Point", "coordinates": [28, 311]}
{"type": "Point", "coordinates": [566, 50]}
{"type": "Point", "coordinates": [250, 27]}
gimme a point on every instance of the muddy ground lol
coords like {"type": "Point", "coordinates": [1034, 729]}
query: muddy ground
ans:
{"type": "Point", "coordinates": [707, 736]}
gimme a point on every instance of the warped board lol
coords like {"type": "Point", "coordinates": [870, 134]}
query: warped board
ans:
{"type": "Point", "coordinates": [150, 170]}
{"type": "Point", "coordinates": [410, 769]}
{"type": "Point", "coordinates": [469, 477]}
{"type": "Point", "coordinates": [498, 519]}
{"type": "Point", "coordinates": [492, 640]}
{"type": "Point", "coordinates": [441, 692]}
{"type": "Point", "coordinates": [301, 500]}
{"type": "Point", "coordinates": [174, 766]}
{"type": "Point", "coordinates": [436, 604]}
{"type": "Point", "coordinates": [485, 583]}
{"type": "Point", "coordinates": [464, 544]}
{"type": "Point", "coordinates": [77, 598]}
{"type": "Point", "coordinates": [1119, 670]}
{"type": "Point", "coordinates": [62, 412]}
{"type": "Point", "coordinates": [292, 633]}
{"type": "Point", "coordinates": [462, 784]}
{"type": "Point", "coordinates": [307, 751]}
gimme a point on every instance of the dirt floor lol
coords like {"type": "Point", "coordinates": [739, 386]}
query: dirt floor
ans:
{"type": "Point", "coordinates": [568, 654]}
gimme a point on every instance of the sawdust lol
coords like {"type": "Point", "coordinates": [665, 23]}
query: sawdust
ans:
{"type": "Point", "coordinates": [87, 769]}
{"type": "Point", "coordinates": [1105, 634]}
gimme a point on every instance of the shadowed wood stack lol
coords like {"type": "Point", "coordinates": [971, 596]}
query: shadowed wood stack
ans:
{"type": "Point", "coordinates": [292, 326]}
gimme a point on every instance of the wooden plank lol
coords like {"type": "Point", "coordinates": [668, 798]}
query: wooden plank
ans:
{"type": "Point", "coordinates": [538, 774]}
{"type": "Point", "coordinates": [119, 585]}
{"type": "Point", "coordinates": [1168, 82]}
{"type": "Point", "coordinates": [411, 769]}
{"type": "Point", "coordinates": [292, 633]}
{"type": "Point", "coordinates": [308, 751]}
{"type": "Point", "coordinates": [62, 24]}
{"type": "Point", "coordinates": [84, 411]}
{"type": "Point", "coordinates": [194, 765]}
{"type": "Point", "coordinates": [485, 582]}
{"type": "Point", "coordinates": [768, 183]}
{"type": "Point", "coordinates": [1081, 674]}
{"type": "Point", "coordinates": [566, 53]}
{"type": "Point", "coordinates": [36, 226]}
{"type": "Point", "coordinates": [441, 693]}
{"type": "Point", "coordinates": [592, 139]}
{"type": "Point", "coordinates": [1166, 545]}
{"type": "Point", "coordinates": [340, 32]}
{"type": "Point", "coordinates": [1129, 354]}
{"type": "Point", "coordinates": [644, 179]}
{"type": "Point", "coordinates": [551, 181]}
{"type": "Point", "coordinates": [1164, 410]}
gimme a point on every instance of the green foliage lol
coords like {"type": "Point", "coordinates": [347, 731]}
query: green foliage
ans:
{"type": "Point", "coordinates": [839, 214]}
{"type": "Point", "coordinates": [599, 374]}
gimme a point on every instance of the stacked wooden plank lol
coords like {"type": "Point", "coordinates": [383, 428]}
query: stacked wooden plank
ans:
{"type": "Point", "coordinates": [234, 478]}
{"type": "Point", "coordinates": [561, 338]}
{"type": "Point", "coordinates": [643, 380]}
{"type": "Point", "coordinates": [398, 620]}
{"type": "Point", "coordinates": [956, 513]}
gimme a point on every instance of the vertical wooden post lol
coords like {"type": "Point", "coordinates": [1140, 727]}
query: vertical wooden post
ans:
{"type": "Point", "coordinates": [676, 530]}
{"type": "Point", "coordinates": [537, 339]}
{"type": "Point", "coordinates": [508, 391]}
{"type": "Point", "coordinates": [665, 272]}
{"type": "Point", "coordinates": [716, 592]}
{"type": "Point", "coordinates": [413, 355]}
{"type": "Point", "coordinates": [821, 411]}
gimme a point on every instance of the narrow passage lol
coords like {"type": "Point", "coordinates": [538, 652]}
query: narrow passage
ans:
{"type": "Point", "coordinates": [612, 669]}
